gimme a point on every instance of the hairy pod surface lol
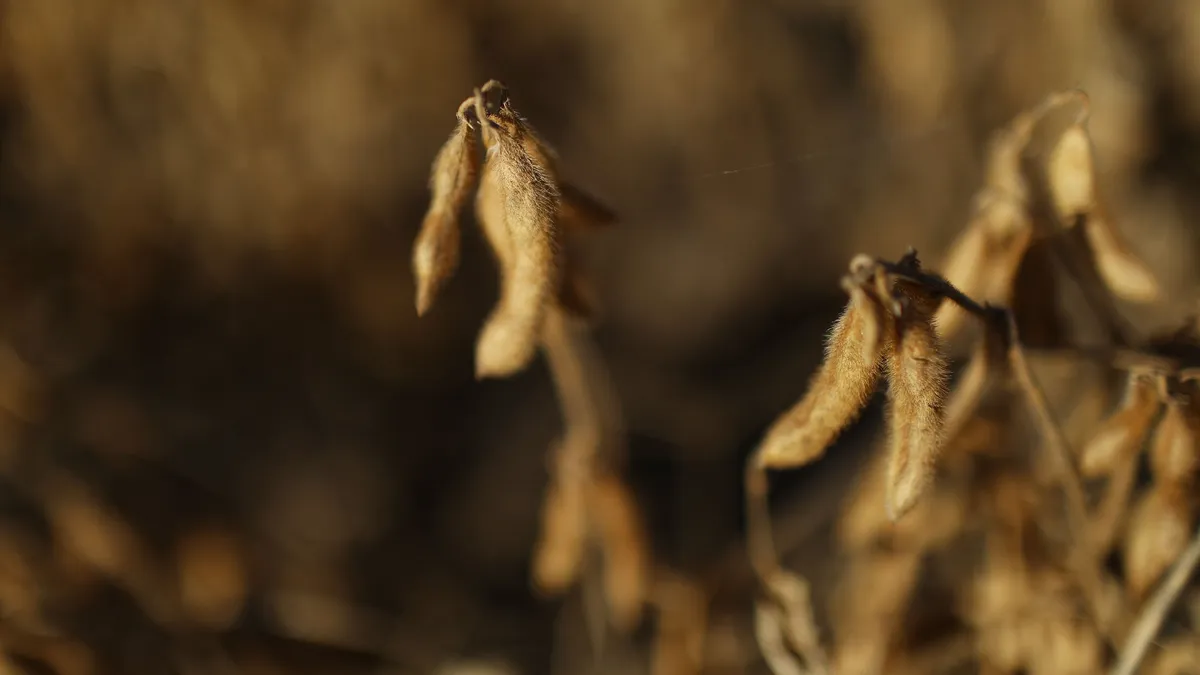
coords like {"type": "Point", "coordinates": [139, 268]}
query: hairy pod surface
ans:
{"type": "Point", "coordinates": [453, 177]}
{"type": "Point", "coordinates": [917, 389]}
{"type": "Point", "coordinates": [836, 394]}
{"type": "Point", "coordinates": [518, 206]}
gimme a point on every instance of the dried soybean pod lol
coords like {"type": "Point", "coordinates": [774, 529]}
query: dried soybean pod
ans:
{"type": "Point", "coordinates": [1123, 272]}
{"type": "Point", "coordinates": [1173, 456]}
{"type": "Point", "coordinates": [917, 377]}
{"type": "Point", "coordinates": [626, 558]}
{"type": "Point", "coordinates": [519, 203]}
{"type": "Point", "coordinates": [1071, 174]}
{"type": "Point", "coordinates": [558, 554]}
{"type": "Point", "coordinates": [1124, 431]}
{"type": "Point", "coordinates": [1158, 531]}
{"type": "Point", "coordinates": [454, 175]}
{"type": "Point", "coordinates": [836, 394]}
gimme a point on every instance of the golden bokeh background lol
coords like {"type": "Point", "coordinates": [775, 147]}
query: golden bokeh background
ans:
{"type": "Point", "coordinates": [212, 372]}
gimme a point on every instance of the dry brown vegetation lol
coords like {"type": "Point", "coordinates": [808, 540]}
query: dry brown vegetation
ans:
{"type": "Point", "coordinates": [634, 424]}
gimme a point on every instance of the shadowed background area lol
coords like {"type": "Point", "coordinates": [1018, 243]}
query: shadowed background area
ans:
{"type": "Point", "coordinates": [215, 386]}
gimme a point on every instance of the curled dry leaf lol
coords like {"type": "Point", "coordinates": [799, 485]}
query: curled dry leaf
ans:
{"type": "Point", "coordinates": [917, 377]}
{"type": "Point", "coordinates": [455, 172]}
{"type": "Point", "coordinates": [1159, 529]}
{"type": "Point", "coordinates": [1176, 451]}
{"type": "Point", "coordinates": [626, 560]}
{"type": "Point", "coordinates": [838, 391]}
{"type": "Point", "coordinates": [1123, 433]}
{"type": "Point", "coordinates": [517, 206]}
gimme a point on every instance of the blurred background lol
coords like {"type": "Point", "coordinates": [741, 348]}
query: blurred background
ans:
{"type": "Point", "coordinates": [213, 383]}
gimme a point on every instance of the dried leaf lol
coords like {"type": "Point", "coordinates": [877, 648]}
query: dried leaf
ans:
{"type": "Point", "coordinates": [1123, 432]}
{"type": "Point", "coordinates": [917, 377]}
{"type": "Point", "coordinates": [455, 172]}
{"type": "Point", "coordinates": [836, 395]}
{"type": "Point", "coordinates": [517, 204]}
{"type": "Point", "coordinates": [575, 295]}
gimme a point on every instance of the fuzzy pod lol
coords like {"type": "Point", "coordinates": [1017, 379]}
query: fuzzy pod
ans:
{"type": "Point", "coordinates": [1123, 432]}
{"type": "Point", "coordinates": [1159, 529]}
{"type": "Point", "coordinates": [1125, 274]}
{"type": "Point", "coordinates": [1070, 172]}
{"type": "Point", "coordinates": [517, 205]}
{"type": "Point", "coordinates": [1175, 453]}
{"type": "Point", "coordinates": [836, 394]}
{"type": "Point", "coordinates": [562, 540]}
{"type": "Point", "coordinates": [917, 388]}
{"type": "Point", "coordinates": [618, 525]}
{"type": "Point", "coordinates": [454, 176]}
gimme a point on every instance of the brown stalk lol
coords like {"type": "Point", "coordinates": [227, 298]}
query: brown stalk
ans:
{"type": "Point", "coordinates": [769, 633]}
{"type": "Point", "coordinates": [791, 594]}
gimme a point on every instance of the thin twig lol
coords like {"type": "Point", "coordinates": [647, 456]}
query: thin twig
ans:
{"type": "Point", "coordinates": [760, 543]}
{"type": "Point", "coordinates": [1156, 609]}
{"type": "Point", "coordinates": [1084, 558]}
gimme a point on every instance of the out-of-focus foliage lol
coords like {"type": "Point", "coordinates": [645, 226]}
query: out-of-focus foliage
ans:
{"type": "Point", "coordinates": [212, 374]}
